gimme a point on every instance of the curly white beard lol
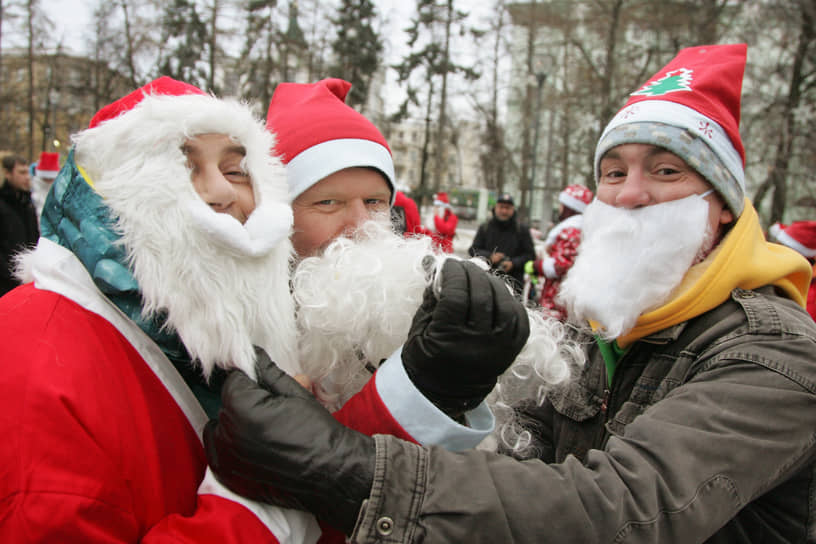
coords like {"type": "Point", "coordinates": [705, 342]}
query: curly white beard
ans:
{"type": "Point", "coordinates": [630, 260]}
{"type": "Point", "coordinates": [355, 304]}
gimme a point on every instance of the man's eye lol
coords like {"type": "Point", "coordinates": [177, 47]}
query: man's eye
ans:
{"type": "Point", "coordinates": [613, 176]}
{"type": "Point", "coordinates": [236, 175]}
{"type": "Point", "coordinates": [667, 171]}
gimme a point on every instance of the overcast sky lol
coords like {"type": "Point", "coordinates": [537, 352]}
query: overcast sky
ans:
{"type": "Point", "coordinates": [72, 17]}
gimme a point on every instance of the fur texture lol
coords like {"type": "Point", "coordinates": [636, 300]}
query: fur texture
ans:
{"type": "Point", "coordinates": [357, 300]}
{"type": "Point", "coordinates": [630, 260]}
{"type": "Point", "coordinates": [220, 300]}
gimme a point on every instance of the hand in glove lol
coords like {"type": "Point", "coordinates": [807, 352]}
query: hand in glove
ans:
{"type": "Point", "coordinates": [459, 345]}
{"type": "Point", "coordinates": [274, 442]}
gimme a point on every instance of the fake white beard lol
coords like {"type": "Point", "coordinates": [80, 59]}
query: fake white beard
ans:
{"type": "Point", "coordinates": [222, 291]}
{"type": "Point", "coordinates": [355, 303]}
{"type": "Point", "coordinates": [630, 260]}
{"type": "Point", "coordinates": [221, 302]}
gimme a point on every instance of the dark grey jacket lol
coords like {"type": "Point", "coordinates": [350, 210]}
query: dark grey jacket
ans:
{"type": "Point", "coordinates": [707, 434]}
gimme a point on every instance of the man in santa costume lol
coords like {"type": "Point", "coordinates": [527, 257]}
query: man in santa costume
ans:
{"type": "Point", "coordinates": [164, 260]}
{"type": "Point", "coordinates": [357, 285]}
{"type": "Point", "coordinates": [560, 247]}
{"type": "Point", "coordinates": [444, 222]}
{"type": "Point", "coordinates": [693, 418]}
{"type": "Point", "coordinates": [405, 216]}
{"type": "Point", "coordinates": [45, 172]}
{"type": "Point", "coordinates": [800, 236]}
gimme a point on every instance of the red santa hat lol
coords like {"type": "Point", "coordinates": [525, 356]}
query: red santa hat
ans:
{"type": "Point", "coordinates": [161, 86]}
{"type": "Point", "coordinates": [799, 235]}
{"type": "Point", "coordinates": [691, 107]}
{"type": "Point", "coordinates": [144, 132]}
{"type": "Point", "coordinates": [48, 165]}
{"type": "Point", "coordinates": [441, 199]}
{"type": "Point", "coordinates": [575, 197]}
{"type": "Point", "coordinates": [318, 134]}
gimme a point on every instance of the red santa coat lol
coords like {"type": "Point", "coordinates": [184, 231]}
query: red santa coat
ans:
{"type": "Point", "coordinates": [561, 248]}
{"type": "Point", "coordinates": [102, 436]}
{"type": "Point", "coordinates": [445, 230]}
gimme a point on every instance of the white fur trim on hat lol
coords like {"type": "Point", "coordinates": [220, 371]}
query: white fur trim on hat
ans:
{"type": "Point", "coordinates": [321, 160]}
{"type": "Point", "coordinates": [678, 115]}
{"type": "Point", "coordinates": [777, 232]}
{"type": "Point", "coordinates": [156, 128]}
{"type": "Point", "coordinates": [47, 174]}
{"type": "Point", "coordinates": [571, 202]}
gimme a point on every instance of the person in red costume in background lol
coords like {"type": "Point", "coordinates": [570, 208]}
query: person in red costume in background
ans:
{"type": "Point", "coordinates": [444, 221]}
{"type": "Point", "coordinates": [405, 216]}
{"type": "Point", "coordinates": [800, 236]}
{"type": "Point", "coordinates": [560, 247]}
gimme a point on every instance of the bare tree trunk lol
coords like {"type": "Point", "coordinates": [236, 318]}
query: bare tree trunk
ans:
{"type": "Point", "coordinates": [778, 174]}
{"type": "Point", "coordinates": [441, 145]}
{"type": "Point", "coordinates": [527, 133]}
{"type": "Point", "coordinates": [423, 166]}
{"type": "Point", "coordinates": [496, 145]}
{"type": "Point", "coordinates": [212, 44]}
{"type": "Point", "coordinates": [131, 66]}
{"type": "Point", "coordinates": [30, 60]}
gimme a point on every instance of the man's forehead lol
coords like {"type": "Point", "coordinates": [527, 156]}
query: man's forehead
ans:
{"type": "Point", "coordinates": [212, 142]}
{"type": "Point", "coordinates": [634, 148]}
{"type": "Point", "coordinates": [353, 182]}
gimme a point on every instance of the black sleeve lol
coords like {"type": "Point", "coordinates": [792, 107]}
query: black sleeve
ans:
{"type": "Point", "coordinates": [526, 248]}
{"type": "Point", "coordinates": [479, 246]}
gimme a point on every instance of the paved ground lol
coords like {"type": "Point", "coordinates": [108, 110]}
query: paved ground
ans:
{"type": "Point", "coordinates": [463, 239]}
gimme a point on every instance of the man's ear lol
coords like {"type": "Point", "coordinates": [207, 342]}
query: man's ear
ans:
{"type": "Point", "coordinates": [726, 216]}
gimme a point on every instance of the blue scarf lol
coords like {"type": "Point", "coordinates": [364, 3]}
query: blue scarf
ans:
{"type": "Point", "coordinates": [75, 217]}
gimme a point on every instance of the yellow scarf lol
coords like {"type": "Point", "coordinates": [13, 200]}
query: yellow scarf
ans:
{"type": "Point", "coordinates": [742, 259]}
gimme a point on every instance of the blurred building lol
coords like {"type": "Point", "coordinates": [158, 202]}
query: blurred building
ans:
{"type": "Point", "coordinates": [67, 91]}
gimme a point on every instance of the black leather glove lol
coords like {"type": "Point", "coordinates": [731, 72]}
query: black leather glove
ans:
{"type": "Point", "coordinates": [459, 345]}
{"type": "Point", "coordinates": [274, 442]}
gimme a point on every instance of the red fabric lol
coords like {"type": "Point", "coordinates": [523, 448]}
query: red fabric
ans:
{"type": "Point", "coordinates": [562, 252]}
{"type": "Point", "coordinates": [575, 197]}
{"type": "Point", "coordinates": [48, 162]}
{"type": "Point", "coordinates": [441, 198]}
{"type": "Point", "coordinates": [811, 297]}
{"type": "Point", "coordinates": [303, 115]}
{"type": "Point", "coordinates": [95, 448]}
{"type": "Point", "coordinates": [366, 412]}
{"type": "Point", "coordinates": [717, 72]}
{"type": "Point", "coordinates": [445, 231]}
{"type": "Point", "coordinates": [798, 232]}
{"type": "Point", "coordinates": [413, 224]}
{"type": "Point", "coordinates": [163, 86]}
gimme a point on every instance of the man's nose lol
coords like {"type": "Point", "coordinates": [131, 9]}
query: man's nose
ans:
{"type": "Point", "coordinates": [356, 214]}
{"type": "Point", "coordinates": [215, 189]}
{"type": "Point", "coordinates": [633, 192]}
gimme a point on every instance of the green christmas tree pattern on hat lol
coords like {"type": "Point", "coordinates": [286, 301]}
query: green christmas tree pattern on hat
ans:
{"type": "Point", "coordinates": [676, 80]}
